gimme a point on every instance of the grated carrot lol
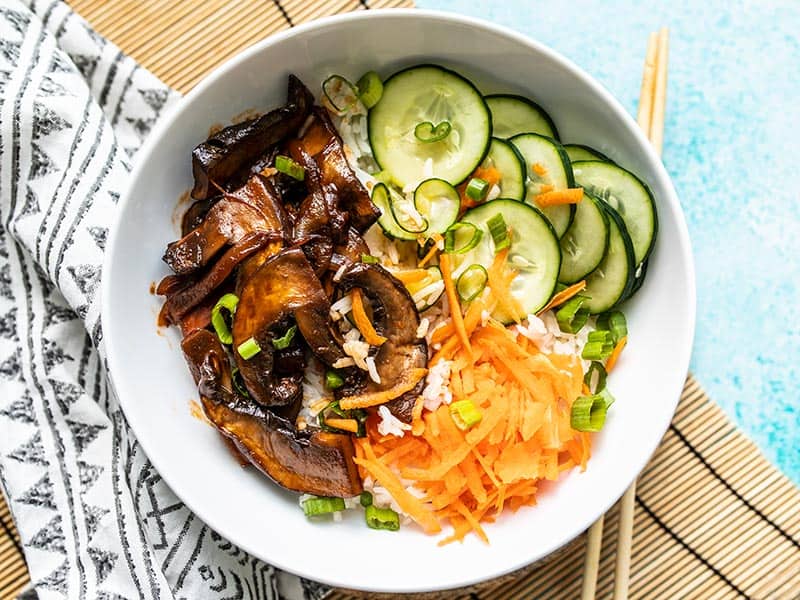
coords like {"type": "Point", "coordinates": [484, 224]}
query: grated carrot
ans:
{"type": "Point", "coordinates": [452, 299]}
{"type": "Point", "coordinates": [489, 174]}
{"type": "Point", "coordinates": [350, 425]}
{"type": "Point", "coordinates": [432, 252]}
{"type": "Point", "coordinates": [407, 383]}
{"type": "Point", "coordinates": [556, 197]}
{"type": "Point", "coordinates": [539, 169]}
{"type": "Point", "coordinates": [614, 357]}
{"type": "Point", "coordinates": [500, 278]}
{"type": "Point", "coordinates": [362, 321]}
{"type": "Point", "coordinates": [410, 275]}
{"type": "Point", "coordinates": [564, 295]}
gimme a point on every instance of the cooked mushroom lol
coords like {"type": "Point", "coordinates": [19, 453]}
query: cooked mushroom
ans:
{"type": "Point", "coordinates": [309, 461]}
{"type": "Point", "coordinates": [396, 318]}
{"type": "Point", "coordinates": [253, 207]}
{"type": "Point", "coordinates": [229, 154]}
{"type": "Point", "coordinates": [282, 292]}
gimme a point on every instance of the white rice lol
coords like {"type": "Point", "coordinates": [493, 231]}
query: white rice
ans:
{"type": "Point", "coordinates": [372, 370]}
{"type": "Point", "coordinates": [423, 327]}
{"type": "Point", "coordinates": [343, 363]}
{"type": "Point", "coordinates": [341, 307]}
{"type": "Point", "coordinates": [437, 391]}
{"type": "Point", "coordinates": [339, 272]}
{"type": "Point", "coordinates": [391, 425]}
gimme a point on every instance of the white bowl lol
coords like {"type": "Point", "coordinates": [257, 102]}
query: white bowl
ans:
{"type": "Point", "coordinates": [154, 385]}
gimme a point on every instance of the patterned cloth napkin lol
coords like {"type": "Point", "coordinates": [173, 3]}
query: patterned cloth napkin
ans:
{"type": "Point", "coordinates": [96, 519]}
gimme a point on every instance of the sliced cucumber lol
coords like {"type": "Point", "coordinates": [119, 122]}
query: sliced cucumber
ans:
{"type": "Point", "coordinates": [549, 154]}
{"type": "Point", "coordinates": [391, 228]}
{"type": "Point", "coordinates": [625, 193]}
{"type": "Point", "coordinates": [512, 115]}
{"type": "Point", "coordinates": [584, 244]}
{"type": "Point", "coordinates": [534, 252]}
{"type": "Point", "coordinates": [438, 202]}
{"type": "Point", "coordinates": [504, 157]}
{"type": "Point", "coordinates": [611, 281]}
{"type": "Point", "coordinates": [578, 152]}
{"type": "Point", "coordinates": [434, 95]}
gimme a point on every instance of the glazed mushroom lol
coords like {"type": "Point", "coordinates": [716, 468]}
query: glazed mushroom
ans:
{"type": "Point", "coordinates": [309, 461]}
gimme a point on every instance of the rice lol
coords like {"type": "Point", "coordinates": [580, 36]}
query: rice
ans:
{"type": "Point", "coordinates": [389, 424]}
{"type": "Point", "coordinates": [423, 327]}
{"type": "Point", "coordinates": [339, 272]}
{"type": "Point", "coordinates": [372, 370]}
{"type": "Point", "coordinates": [341, 307]}
{"type": "Point", "coordinates": [437, 391]}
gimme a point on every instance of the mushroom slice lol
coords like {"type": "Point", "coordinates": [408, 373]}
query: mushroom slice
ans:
{"type": "Point", "coordinates": [229, 153]}
{"type": "Point", "coordinates": [282, 292]}
{"type": "Point", "coordinates": [309, 461]}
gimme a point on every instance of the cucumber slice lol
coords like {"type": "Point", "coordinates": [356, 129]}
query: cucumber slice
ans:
{"type": "Point", "coordinates": [438, 203]}
{"type": "Point", "coordinates": [537, 149]}
{"type": "Point", "coordinates": [387, 222]}
{"type": "Point", "coordinates": [584, 244]}
{"type": "Point", "coordinates": [611, 281]}
{"type": "Point", "coordinates": [534, 252]}
{"type": "Point", "coordinates": [512, 115]}
{"type": "Point", "coordinates": [578, 152]}
{"type": "Point", "coordinates": [504, 157]}
{"type": "Point", "coordinates": [626, 194]}
{"type": "Point", "coordinates": [429, 94]}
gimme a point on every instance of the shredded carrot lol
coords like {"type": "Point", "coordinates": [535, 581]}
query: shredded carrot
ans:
{"type": "Point", "coordinates": [410, 379]}
{"type": "Point", "coordinates": [489, 174]}
{"type": "Point", "coordinates": [556, 197]}
{"type": "Point", "coordinates": [500, 278]}
{"type": "Point", "coordinates": [452, 299]}
{"type": "Point", "coordinates": [614, 357]}
{"type": "Point", "coordinates": [350, 425]}
{"type": "Point", "coordinates": [432, 252]}
{"type": "Point", "coordinates": [417, 424]}
{"type": "Point", "coordinates": [410, 275]}
{"type": "Point", "coordinates": [362, 321]}
{"type": "Point", "coordinates": [539, 169]}
{"type": "Point", "coordinates": [564, 295]}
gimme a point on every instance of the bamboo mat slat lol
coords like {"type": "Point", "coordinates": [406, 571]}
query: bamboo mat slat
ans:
{"type": "Point", "coordinates": [713, 518]}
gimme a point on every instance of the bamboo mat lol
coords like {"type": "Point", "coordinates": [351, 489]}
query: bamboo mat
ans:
{"type": "Point", "coordinates": [714, 519]}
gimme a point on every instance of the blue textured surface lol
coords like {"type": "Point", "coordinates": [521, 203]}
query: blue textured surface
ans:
{"type": "Point", "coordinates": [732, 130]}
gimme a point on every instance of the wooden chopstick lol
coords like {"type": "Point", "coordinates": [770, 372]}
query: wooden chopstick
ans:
{"type": "Point", "coordinates": [650, 116]}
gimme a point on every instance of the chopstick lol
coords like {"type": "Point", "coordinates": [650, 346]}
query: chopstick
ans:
{"type": "Point", "coordinates": [650, 116]}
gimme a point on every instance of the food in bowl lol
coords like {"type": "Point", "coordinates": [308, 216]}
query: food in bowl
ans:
{"type": "Point", "coordinates": [405, 299]}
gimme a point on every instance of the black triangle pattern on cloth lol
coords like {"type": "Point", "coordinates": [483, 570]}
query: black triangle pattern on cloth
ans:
{"type": "Point", "coordinates": [86, 65]}
{"type": "Point", "coordinates": [88, 474]}
{"type": "Point", "coordinates": [8, 325]}
{"type": "Point", "coordinates": [99, 235]}
{"type": "Point", "coordinates": [47, 121]}
{"type": "Point", "coordinates": [60, 64]}
{"type": "Point", "coordinates": [57, 580]}
{"type": "Point", "coordinates": [50, 537]}
{"type": "Point", "coordinates": [40, 494]}
{"type": "Point", "coordinates": [41, 164]}
{"type": "Point", "coordinates": [114, 196]}
{"type": "Point", "coordinates": [53, 354]}
{"type": "Point", "coordinates": [31, 205]}
{"type": "Point", "coordinates": [55, 313]}
{"type": "Point", "coordinates": [84, 433]}
{"type": "Point", "coordinates": [31, 452]}
{"type": "Point", "coordinates": [10, 367]}
{"type": "Point", "coordinates": [50, 87]}
{"type": "Point", "coordinates": [94, 514]}
{"type": "Point", "coordinates": [19, 21]}
{"type": "Point", "coordinates": [110, 596]}
{"type": "Point", "coordinates": [86, 277]}
{"type": "Point", "coordinates": [66, 394]}
{"type": "Point", "coordinates": [5, 282]}
{"type": "Point", "coordinates": [10, 50]}
{"type": "Point", "coordinates": [155, 98]}
{"type": "Point", "coordinates": [103, 562]}
{"type": "Point", "coordinates": [142, 127]}
{"type": "Point", "coordinates": [21, 409]}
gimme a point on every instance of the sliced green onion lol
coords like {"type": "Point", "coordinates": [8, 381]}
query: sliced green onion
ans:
{"type": "Point", "coordinates": [370, 88]}
{"type": "Point", "coordinates": [465, 414]}
{"type": "Point", "coordinates": [613, 321]}
{"type": "Point", "coordinates": [229, 303]}
{"type": "Point", "coordinates": [248, 348]}
{"type": "Point", "coordinates": [589, 412]}
{"type": "Point", "coordinates": [499, 231]}
{"type": "Point", "coordinates": [572, 316]}
{"type": "Point", "coordinates": [382, 518]}
{"type": "Point", "coordinates": [286, 339]}
{"type": "Point", "coordinates": [595, 378]}
{"type": "Point", "coordinates": [599, 345]}
{"type": "Point", "coordinates": [290, 167]}
{"type": "Point", "coordinates": [461, 238]}
{"type": "Point", "coordinates": [365, 499]}
{"type": "Point", "coordinates": [477, 189]}
{"type": "Point", "coordinates": [427, 132]}
{"type": "Point", "coordinates": [316, 506]}
{"type": "Point", "coordinates": [369, 259]}
{"type": "Point", "coordinates": [340, 93]}
{"type": "Point", "coordinates": [471, 282]}
{"type": "Point", "coordinates": [238, 383]}
{"type": "Point", "coordinates": [333, 380]}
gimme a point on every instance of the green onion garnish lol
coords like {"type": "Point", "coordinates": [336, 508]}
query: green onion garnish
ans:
{"type": "Point", "coordinates": [572, 316]}
{"type": "Point", "coordinates": [427, 132]}
{"type": "Point", "coordinates": [465, 414]}
{"type": "Point", "coordinates": [238, 382]}
{"type": "Point", "coordinates": [313, 507]}
{"type": "Point", "coordinates": [369, 259]}
{"type": "Point", "coordinates": [286, 339]}
{"type": "Point", "coordinates": [595, 378]}
{"type": "Point", "coordinates": [365, 499]}
{"type": "Point", "coordinates": [589, 412]}
{"type": "Point", "coordinates": [613, 321]}
{"type": "Point", "coordinates": [471, 282]}
{"type": "Point", "coordinates": [290, 167]}
{"type": "Point", "coordinates": [248, 348]}
{"type": "Point", "coordinates": [370, 88]}
{"type": "Point", "coordinates": [599, 345]}
{"type": "Point", "coordinates": [499, 231]}
{"type": "Point", "coordinates": [477, 189]}
{"type": "Point", "coordinates": [461, 238]}
{"type": "Point", "coordinates": [340, 93]}
{"type": "Point", "coordinates": [333, 380]}
{"type": "Point", "coordinates": [229, 303]}
{"type": "Point", "coordinates": [382, 518]}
